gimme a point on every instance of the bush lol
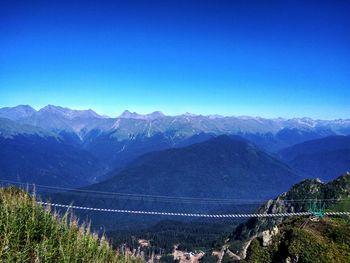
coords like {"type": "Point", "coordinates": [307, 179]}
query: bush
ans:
{"type": "Point", "coordinates": [257, 254]}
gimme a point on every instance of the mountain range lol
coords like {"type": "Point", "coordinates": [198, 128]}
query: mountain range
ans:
{"type": "Point", "coordinates": [129, 125]}
{"type": "Point", "coordinates": [111, 144]}
{"type": "Point", "coordinates": [154, 162]}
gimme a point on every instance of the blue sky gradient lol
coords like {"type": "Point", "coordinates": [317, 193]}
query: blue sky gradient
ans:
{"type": "Point", "coordinates": [259, 58]}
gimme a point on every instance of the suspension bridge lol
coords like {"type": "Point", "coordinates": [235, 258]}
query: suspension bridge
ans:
{"type": "Point", "coordinates": [194, 200]}
{"type": "Point", "coordinates": [188, 214]}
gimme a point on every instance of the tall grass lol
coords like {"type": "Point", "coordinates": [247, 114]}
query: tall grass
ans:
{"type": "Point", "coordinates": [30, 233]}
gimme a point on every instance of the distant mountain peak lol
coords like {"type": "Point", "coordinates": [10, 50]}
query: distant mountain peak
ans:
{"type": "Point", "coordinates": [17, 112]}
{"type": "Point", "coordinates": [134, 115]}
{"type": "Point", "coordinates": [53, 108]}
{"type": "Point", "coordinates": [69, 113]}
{"type": "Point", "coordinates": [157, 113]}
{"type": "Point", "coordinates": [25, 107]}
{"type": "Point", "coordinates": [215, 116]}
{"type": "Point", "coordinates": [189, 114]}
{"type": "Point", "coordinates": [130, 115]}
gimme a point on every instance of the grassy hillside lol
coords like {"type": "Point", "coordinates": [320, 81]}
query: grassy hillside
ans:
{"type": "Point", "coordinates": [30, 233]}
{"type": "Point", "coordinates": [325, 241]}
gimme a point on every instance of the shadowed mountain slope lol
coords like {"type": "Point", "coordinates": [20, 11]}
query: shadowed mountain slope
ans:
{"type": "Point", "coordinates": [46, 160]}
{"type": "Point", "coordinates": [322, 158]}
{"type": "Point", "coordinates": [221, 167]}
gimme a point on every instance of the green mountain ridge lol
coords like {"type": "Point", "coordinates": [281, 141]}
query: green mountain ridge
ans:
{"type": "Point", "coordinates": [297, 199]}
{"type": "Point", "coordinates": [299, 239]}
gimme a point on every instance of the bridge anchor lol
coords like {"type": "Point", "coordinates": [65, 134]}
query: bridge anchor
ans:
{"type": "Point", "coordinates": [317, 209]}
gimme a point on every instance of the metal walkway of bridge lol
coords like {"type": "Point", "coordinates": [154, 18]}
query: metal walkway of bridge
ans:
{"type": "Point", "coordinates": [187, 214]}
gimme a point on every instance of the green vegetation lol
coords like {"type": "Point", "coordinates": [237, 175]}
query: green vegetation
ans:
{"type": "Point", "coordinates": [30, 233]}
{"type": "Point", "coordinates": [335, 194]}
{"type": "Point", "coordinates": [226, 259]}
{"type": "Point", "coordinates": [168, 259]}
{"type": "Point", "coordinates": [190, 236]}
{"type": "Point", "coordinates": [257, 253]}
{"type": "Point", "coordinates": [325, 241]}
{"type": "Point", "coordinates": [208, 258]}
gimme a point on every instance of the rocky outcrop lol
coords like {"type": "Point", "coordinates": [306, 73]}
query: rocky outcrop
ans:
{"type": "Point", "coordinates": [267, 236]}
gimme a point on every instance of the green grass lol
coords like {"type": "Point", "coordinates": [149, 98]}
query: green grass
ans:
{"type": "Point", "coordinates": [30, 233]}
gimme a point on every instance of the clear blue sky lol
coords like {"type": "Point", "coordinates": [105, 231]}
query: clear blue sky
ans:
{"type": "Point", "coordinates": [266, 58]}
